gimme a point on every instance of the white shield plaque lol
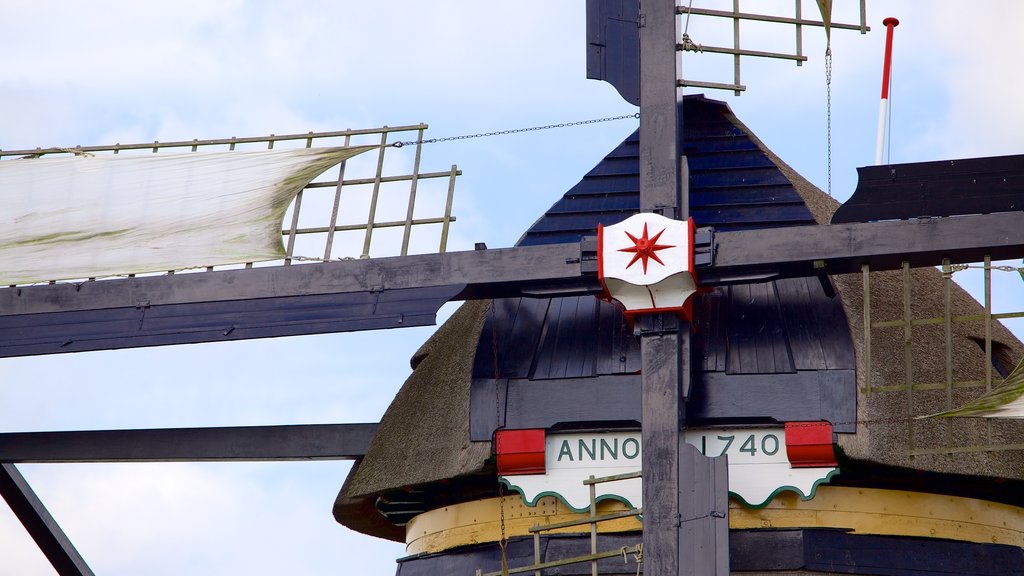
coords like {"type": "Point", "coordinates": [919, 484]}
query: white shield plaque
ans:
{"type": "Point", "coordinates": [645, 262]}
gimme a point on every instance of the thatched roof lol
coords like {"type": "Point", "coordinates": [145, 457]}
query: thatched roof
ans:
{"type": "Point", "coordinates": [424, 435]}
{"type": "Point", "coordinates": [424, 438]}
{"type": "Point", "coordinates": [886, 431]}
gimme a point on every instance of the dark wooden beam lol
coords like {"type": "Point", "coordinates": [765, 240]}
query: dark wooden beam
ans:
{"type": "Point", "coordinates": [792, 252]}
{"type": "Point", "coordinates": [40, 524]}
{"type": "Point", "coordinates": [479, 273]}
{"type": "Point", "coordinates": [238, 443]}
{"type": "Point", "coordinates": [270, 302]}
{"type": "Point", "coordinates": [664, 340]}
{"type": "Point", "coordinates": [403, 292]}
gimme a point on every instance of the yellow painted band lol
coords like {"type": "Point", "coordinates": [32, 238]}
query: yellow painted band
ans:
{"type": "Point", "coordinates": [859, 510]}
{"type": "Point", "coordinates": [481, 521]}
{"type": "Point", "coordinates": [889, 513]}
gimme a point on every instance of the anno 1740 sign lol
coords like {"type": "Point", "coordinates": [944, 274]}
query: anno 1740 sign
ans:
{"type": "Point", "coordinates": [761, 463]}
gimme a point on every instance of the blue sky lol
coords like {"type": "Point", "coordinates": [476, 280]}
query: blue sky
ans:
{"type": "Point", "coordinates": [118, 71]}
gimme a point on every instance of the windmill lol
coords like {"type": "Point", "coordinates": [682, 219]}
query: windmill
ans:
{"type": "Point", "coordinates": [546, 279]}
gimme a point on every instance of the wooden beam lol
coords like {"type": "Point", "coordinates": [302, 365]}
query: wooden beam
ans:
{"type": "Point", "coordinates": [664, 340]}
{"type": "Point", "coordinates": [225, 444]}
{"type": "Point", "coordinates": [40, 524]}
{"type": "Point", "coordinates": [407, 291]}
{"type": "Point", "coordinates": [844, 248]}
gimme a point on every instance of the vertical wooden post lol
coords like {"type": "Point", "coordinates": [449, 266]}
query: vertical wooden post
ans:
{"type": "Point", "coordinates": [662, 343]}
{"type": "Point", "coordinates": [663, 338]}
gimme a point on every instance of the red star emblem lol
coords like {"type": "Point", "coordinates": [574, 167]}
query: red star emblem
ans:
{"type": "Point", "coordinates": [644, 248]}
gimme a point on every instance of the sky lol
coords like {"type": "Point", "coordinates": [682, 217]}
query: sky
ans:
{"type": "Point", "coordinates": [111, 71]}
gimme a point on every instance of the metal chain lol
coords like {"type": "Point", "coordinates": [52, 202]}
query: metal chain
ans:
{"type": "Point", "coordinates": [962, 267]}
{"type": "Point", "coordinates": [503, 540]}
{"type": "Point", "coordinates": [514, 130]}
{"type": "Point", "coordinates": [828, 98]}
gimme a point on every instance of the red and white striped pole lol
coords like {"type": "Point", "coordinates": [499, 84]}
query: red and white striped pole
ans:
{"type": "Point", "coordinates": [889, 24]}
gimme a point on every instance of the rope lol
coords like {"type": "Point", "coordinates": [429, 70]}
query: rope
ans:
{"type": "Point", "coordinates": [514, 130]}
{"type": "Point", "coordinates": [688, 43]}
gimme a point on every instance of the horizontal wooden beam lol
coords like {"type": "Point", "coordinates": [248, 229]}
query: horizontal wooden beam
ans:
{"type": "Point", "coordinates": [408, 291]}
{"type": "Point", "coordinates": [483, 272]}
{"type": "Point", "coordinates": [792, 252]}
{"type": "Point", "coordinates": [238, 443]}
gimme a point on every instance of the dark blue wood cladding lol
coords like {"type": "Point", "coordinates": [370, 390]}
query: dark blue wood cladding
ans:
{"type": "Point", "coordinates": [758, 342]}
{"type": "Point", "coordinates": [772, 342]}
{"type": "Point", "coordinates": [818, 551]}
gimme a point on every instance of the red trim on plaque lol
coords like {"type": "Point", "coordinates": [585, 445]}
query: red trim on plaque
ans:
{"type": "Point", "coordinates": [692, 232]}
{"type": "Point", "coordinates": [520, 451]}
{"type": "Point", "coordinates": [809, 445]}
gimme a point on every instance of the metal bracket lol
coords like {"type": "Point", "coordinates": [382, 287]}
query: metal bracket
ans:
{"type": "Point", "coordinates": [655, 325]}
{"type": "Point", "coordinates": [704, 247]}
{"type": "Point", "coordinates": [821, 271]}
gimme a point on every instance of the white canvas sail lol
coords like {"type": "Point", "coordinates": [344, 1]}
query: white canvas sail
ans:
{"type": "Point", "coordinates": [94, 216]}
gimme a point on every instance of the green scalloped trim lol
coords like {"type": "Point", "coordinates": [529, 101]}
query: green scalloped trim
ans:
{"type": "Point", "coordinates": [780, 489]}
{"type": "Point", "coordinates": [776, 492]}
{"type": "Point", "coordinates": [560, 498]}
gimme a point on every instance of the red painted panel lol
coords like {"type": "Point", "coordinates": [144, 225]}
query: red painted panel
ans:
{"type": "Point", "coordinates": [519, 451]}
{"type": "Point", "coordinates": [809, 445]}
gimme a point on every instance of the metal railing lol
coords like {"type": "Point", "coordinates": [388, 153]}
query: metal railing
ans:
{"type": "Point", "coordinates": [907, 324]}
{"type": "Point", "coordinates": [593, 520]}
{"type": "Point", "coordinates": [798, 22]}
{"type": "Point", "coordinates": [366, 184]}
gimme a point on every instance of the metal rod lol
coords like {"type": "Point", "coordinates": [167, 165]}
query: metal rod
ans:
{"type": "Point", "coordinates": [765, 18]}
{"type": "Point", "coordinates": [908, 357]}
{"type": "Point", "coordinates": [593, 526]}
{"type": "Point", "coordinates": [374, 196]}
{"type": "Point", "coordinates": [966, 449]}
{"type": "Point", "coordinates": [947, 274]}
{"type": "Point", "coordinates": [988, 323]}
{"type": "Point", "coordinates": [448, 208]}
{"type": "Point", "coordinates": [710, 85]}
{"type": "Point", "coordinates": [216, 142]}
{"type": "Point", "coordinates": [337, 204]}
{"type": "Point", "coordinates": [536, 552]}
{"type": "Point", "coordinates": [412, 195]}
{"type": "Point", "coordinates": [589, 520]}
{"type": "Point", "coordinates": [866, 272]}
{"type": "Point", "coordinates": [960, 384]}
{"type": "Point", "coordinates": [290, 249]}
{"type": "Point", "coordinates": [613, 478]}
{"type": "Point", "coordinates": [736, 45]}
{"type": "Point", "coordinates": [403, 178]}
{"type": "Point", "coordinates": [568, 561]}
{"type": "Point", "coordinates": [739, 52]}
{"type": "Point", "coordinates": [351, 227]}
{"type": "Point", "coordinates": [939, 319]}
{"type": "Point", "coordinates": [988, 339]}
{"type": "Point", "coordinates": [799, 33]}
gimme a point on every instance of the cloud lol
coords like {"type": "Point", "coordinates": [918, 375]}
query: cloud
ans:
{"type": "Point", "coordinates": [203, 518]}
